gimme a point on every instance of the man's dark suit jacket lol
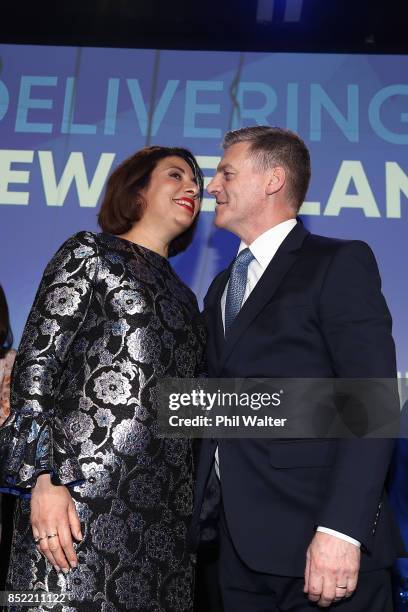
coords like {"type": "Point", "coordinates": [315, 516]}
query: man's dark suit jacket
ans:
{"type": "Point", "coordinates": [316, 312]}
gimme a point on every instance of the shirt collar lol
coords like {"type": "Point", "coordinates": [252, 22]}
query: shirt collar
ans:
{"type": "Point", "coordinates": [266, 245]}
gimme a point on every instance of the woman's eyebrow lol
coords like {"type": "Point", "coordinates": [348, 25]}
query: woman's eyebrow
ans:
{"type": "Point", "coordinates": [172, 167]}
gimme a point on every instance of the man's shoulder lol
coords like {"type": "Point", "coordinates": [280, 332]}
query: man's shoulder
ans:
{"type": "Point", "coordinates": [339, 255]}
{"type": "Point", "coordinates": [331, 246]}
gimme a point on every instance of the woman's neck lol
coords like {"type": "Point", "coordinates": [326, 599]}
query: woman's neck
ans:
{"type": "Point", "coordinates": [148, 239]}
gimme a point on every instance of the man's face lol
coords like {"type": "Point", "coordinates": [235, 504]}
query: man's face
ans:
{"type": "Point", "coordinates": [239, 190]}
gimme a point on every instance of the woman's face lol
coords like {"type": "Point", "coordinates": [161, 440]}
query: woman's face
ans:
{"type": "Point", "coordinates": [172, 197]}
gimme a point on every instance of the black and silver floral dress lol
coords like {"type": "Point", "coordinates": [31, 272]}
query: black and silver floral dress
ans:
{"type": "Point", "coordinates": [110, 318]}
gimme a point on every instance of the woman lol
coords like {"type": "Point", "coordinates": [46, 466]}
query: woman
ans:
{"type": "Point", "coordinates": [7, 356]}
{"type": "Point", "coordinates": [109, 320]}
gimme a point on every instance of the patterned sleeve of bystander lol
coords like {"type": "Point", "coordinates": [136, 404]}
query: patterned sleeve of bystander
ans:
{"type": "Point", "coordinates": [6, 365]}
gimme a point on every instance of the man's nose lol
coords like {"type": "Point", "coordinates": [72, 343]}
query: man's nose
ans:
{"type": "Point", "coordinates": [213, 186]}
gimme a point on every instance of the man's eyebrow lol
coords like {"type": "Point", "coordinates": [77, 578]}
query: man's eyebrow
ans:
{"type": "Point", "coordinates": [224, 166]}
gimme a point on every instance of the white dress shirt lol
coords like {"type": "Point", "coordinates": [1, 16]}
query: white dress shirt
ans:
{"type": "Point", "coordinates": [263, 249]}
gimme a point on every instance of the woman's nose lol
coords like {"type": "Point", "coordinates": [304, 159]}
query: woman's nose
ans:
{"type": "Point", "coordinates": [192, 189]}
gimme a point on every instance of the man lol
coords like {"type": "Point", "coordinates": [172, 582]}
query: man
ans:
{"type": "Point", "coordinates": [301, 521]}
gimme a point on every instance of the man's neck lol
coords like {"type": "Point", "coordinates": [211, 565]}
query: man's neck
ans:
{"type": "Point", "coordinates": [251, 235]}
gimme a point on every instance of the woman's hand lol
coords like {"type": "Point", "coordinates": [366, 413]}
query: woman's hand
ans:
{"type": "Point", "coordinates": [53, 514]}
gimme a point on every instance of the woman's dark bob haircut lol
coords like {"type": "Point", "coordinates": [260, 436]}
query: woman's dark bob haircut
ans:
{"type": "Point", "coordinates": [123, 204]}
{"type": "Point", "coordinates": [6, 336]}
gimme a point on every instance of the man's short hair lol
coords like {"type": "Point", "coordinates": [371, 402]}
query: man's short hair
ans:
{"type": "Point", "coordinates": [274, 146]}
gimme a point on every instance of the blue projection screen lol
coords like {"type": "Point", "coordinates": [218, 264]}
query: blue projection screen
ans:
{"type": "Point", "coordinates": [69, 115]}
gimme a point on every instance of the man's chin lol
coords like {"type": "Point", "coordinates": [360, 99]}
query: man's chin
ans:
{"type": "Point", "coordinates": [219, 221]}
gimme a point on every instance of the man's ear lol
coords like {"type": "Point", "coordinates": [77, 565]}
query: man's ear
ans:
{"type": "Point", "coordinates": [276, 180]}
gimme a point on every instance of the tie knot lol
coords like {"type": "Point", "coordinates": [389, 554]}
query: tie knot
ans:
{"type": "Point", "coordinates": [243, 259]}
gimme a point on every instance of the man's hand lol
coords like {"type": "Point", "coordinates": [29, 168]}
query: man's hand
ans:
{"type": "Point", "coordinates": [330, 563]}
{"type": "Point", "coordinates": [54, 521]}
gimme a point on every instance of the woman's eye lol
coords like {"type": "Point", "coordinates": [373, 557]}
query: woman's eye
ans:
{"type": "Point", "coordinates": [176, 175]}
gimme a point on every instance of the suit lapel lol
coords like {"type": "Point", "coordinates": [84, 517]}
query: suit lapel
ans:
{"type": "Point", "coordinates": [264, 290]}
{"type": "Point", "coordinates": [213, 316]}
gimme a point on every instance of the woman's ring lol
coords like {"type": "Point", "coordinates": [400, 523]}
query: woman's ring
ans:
{"type": "Point", "coordinates": [36, 540]}
{"type": "Point", "coordinates": [52, 535]}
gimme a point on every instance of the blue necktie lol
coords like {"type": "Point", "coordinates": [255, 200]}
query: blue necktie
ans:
{"type": "Point", "coordinates": [236, 286]}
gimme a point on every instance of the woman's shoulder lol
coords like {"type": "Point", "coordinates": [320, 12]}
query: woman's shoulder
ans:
{"type": "Point", "coordinates": [81, 245]}
{"type": "Point", "coordinates": [81, 248]}
{"type": "Point", "coordinates": [101, 241]}
{"type": "Point", "coordinates": [83, 238]}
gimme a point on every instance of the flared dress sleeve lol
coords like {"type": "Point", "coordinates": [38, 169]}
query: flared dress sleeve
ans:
{"type": "Point", "coordinates": [33, 441]}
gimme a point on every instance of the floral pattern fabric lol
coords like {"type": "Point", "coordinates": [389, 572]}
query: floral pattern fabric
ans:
{"type": "Point", "coordinates": [109, 320]}
{"type": "Point", "coordinates": [6, 365]}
